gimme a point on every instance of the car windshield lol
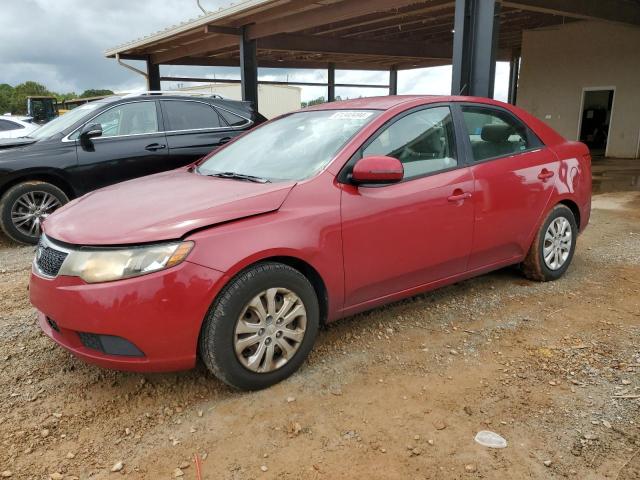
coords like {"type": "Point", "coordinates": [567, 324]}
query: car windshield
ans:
{"type": "Point", "coordinates": [294, 147]}
{"type": "Point", "coordinates": [63, 122]}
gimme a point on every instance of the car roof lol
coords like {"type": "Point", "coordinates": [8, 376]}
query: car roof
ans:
{"type": "Point", "coordinates": [389, 102]}
{"type": "Point", "coordinates": [238, 106]}
{"type": "Point", "coordinates": [16, 118]}
{"type": "Point", "coordinates": [164, 96]}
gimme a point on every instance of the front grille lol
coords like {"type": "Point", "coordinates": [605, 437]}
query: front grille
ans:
{"type": "Point", "coordinates": [49, 260]}
{"type": "Point", "coordinates": [110, 344]}
{"type": "Point", "coordinates": [91, 340]}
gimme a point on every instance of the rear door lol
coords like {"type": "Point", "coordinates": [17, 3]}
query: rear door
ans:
{"type": "Point", "coordinates": [514, 176]}
{"type": "Point", "coordinates": [132, 145]}
{"type": "Point", "coordinates": [194, 129]}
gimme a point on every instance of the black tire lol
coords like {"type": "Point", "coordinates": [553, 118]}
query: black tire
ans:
{"type": "Point", "coordinates": [534, 266]}
{"type": "Point", "coordinates": [11, 197]}
{"type": "Point", "coordinates": [216, 343]}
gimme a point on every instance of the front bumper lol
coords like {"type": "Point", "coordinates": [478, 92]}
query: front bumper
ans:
{"type": "Point", "coordinates": [160, 314]}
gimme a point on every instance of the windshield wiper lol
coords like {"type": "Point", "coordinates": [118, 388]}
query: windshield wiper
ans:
{"type": "Point", "coordinates": [239, 176]}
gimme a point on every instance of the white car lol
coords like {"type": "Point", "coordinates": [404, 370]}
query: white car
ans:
{"type": "Point", "coordinates": [12, 126]}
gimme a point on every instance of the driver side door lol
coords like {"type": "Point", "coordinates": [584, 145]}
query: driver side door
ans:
{"type": "Point", "coordinates": [132, 145]}
{"type": "Point", "coordinates": [407, 235]}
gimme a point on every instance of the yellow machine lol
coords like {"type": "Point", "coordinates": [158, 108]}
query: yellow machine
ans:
{"type": "Point", "coordinates": [42, 108]}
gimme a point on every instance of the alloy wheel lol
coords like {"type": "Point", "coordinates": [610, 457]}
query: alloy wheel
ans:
{"type": "Point", "coordinates": [29, 211]}
{"type": "Point", "coordinates": [558, 240]}
{"type": "Point", "coordinates": [270, 330]}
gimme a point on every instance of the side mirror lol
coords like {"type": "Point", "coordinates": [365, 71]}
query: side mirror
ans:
{"type": "Point", "coordinates": [377, 169]}
{"type": "Point", "coordinates": [91, 130]}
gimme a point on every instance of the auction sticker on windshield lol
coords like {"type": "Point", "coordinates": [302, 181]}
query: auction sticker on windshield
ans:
{"type": "Point", "coordinates": [350, 115]}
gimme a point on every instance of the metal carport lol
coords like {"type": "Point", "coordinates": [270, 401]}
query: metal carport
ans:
{"type": "Point", "coordinates": [364, 34]}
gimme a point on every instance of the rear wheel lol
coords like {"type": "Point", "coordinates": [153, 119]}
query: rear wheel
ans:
{"type": "Point", "coordinates": [24, 207]}
{"type": "Point", "coordinates": [261, 327]}
{"type": "Point", "coordinates": [554, 246]}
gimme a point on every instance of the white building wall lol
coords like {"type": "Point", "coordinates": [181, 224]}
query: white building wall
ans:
{"type": "Point", "coordinates": [273, 100]}
{"type": "Point", "coordinates": [559, 62]}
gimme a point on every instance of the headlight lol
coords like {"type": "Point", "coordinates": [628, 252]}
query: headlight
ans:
{"type": "Point", "coordinates": [106, 265]}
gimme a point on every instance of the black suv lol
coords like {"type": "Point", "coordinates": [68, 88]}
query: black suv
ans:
{"type": "Point", "coordinates": [105, 142]}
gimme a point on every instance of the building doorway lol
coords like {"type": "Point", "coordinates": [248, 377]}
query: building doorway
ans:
{"type": "Point", "coordinates": [595, 121]}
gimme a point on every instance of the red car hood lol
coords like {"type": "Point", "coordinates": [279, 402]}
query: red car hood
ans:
{"type": "Point", "coordinates": [165, 206]}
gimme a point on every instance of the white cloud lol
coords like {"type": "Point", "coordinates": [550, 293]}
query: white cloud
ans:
{"type": "Point", "coordinates": [62, 43]}
{"type": "Point", "coordinates": [64, 49]}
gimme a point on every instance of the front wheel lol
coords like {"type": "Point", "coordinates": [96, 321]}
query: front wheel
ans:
{"type": "Point", "coordinates": [261, 327]}
{"type": "Point", "coordinates": [554, 246]}
{"type": "Point", "coordinates": [25, 206]}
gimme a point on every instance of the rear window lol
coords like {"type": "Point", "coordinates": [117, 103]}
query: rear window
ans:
{"type": "Point", "coordinates": [495, 133]}
{"type": "Point", "coordinates": [232, 119]}
{"type": "Point", "coordinates": [183, 115]}
{"type": "Point", "coordinates": [6, 125]}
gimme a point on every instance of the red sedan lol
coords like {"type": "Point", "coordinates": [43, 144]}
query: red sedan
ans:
{"type": "Point", "coordinates": [316, 215]}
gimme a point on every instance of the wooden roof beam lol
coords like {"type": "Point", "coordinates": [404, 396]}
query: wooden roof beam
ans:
{"type": "Point", "coordinates": [318, 44]}
{"type": "Point", "coordinates": [404, 26]}
{"type": "Point", "coordinates": [293, 63]}
{"type": "Point", "coordinates": [345, 10]}
{"type": "Point", "coordinates": [311, 43]}
{"type": "Point", "coordinates": [195, 49]}
{"type": "Point", "coordinates": [407, 29]}
{"type": "Point", "coordinates": [394, 17]}
{"type": "Point", "coordinates": [278, 9]}
{"type": "Point", "coordinates": [223, 30]}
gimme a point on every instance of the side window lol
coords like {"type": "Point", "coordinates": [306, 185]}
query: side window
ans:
{"type": "Point", "coordinates": [6, 125]}
{"type": "Point", "coordinates": [232, 119]}
{"type": "Point", "coordinates": [423, 141]}
{"type": "Point", "coordinates": [128, 119]}
{"type": "Point", "coordinates": [494, 133]}
{"type": "Point", "coordinates": [189, 115]}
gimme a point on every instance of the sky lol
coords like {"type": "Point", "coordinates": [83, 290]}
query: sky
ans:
{"type": "Point", "coordinates": [61, 44]}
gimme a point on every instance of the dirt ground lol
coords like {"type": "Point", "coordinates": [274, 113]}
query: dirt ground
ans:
{"type": "Point", "coordinates": [396, 393]}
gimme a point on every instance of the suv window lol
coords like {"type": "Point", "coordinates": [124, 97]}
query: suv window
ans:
{"type": "Point", "coordinates": [128, 119]}
{"type": "Point", "coordinates": [423, 141]}
{"type": "Point", "coordinates": [182, 115]}
{"type": "Point", "coordinates": [232, 119]}
{"type": "Point", "coordinates": [494, 133]}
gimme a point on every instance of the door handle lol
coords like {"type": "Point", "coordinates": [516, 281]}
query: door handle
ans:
{"type": "Point", "coordinates": [224, 140]}
{"type": "Point", "coordinates": [545, 174]}
{"type": "Point", "coordinates": [155, 146]}
{"type": "Point", "coordinates": [458, 196]}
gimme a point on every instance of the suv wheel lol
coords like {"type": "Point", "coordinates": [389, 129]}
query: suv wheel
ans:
{"type": "Point", "coordinates": [261, 327]}
{"type": "Point", "coordinates": [24, 206]}
{"type": "Point", "coordinates": [554, 246]}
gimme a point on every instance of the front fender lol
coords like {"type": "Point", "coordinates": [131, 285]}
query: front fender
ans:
{"type": "Point", "coordinates": [306, 228]}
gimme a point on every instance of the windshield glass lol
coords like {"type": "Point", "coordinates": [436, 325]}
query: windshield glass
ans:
{"type": "Point", "coordinates": [63, 122]}
{"type": "Point", "coordinates": [294, 147]}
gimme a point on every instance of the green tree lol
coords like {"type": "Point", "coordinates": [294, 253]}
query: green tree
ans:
{"type": "Point", "coordinates": [6, 93]}
{"type": "Point", "coordinates": [24, 90]}
{"type": "Point", "coordinates": [315, 101]}
{"type": "Point", "coordinates": [95, 93]}
{"type": "Point", "coordinates": [66, 96]}
{"type": "Point", "coordinates": [14, 99]}
{"type": "Point", "coordinates": [31, 88]}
